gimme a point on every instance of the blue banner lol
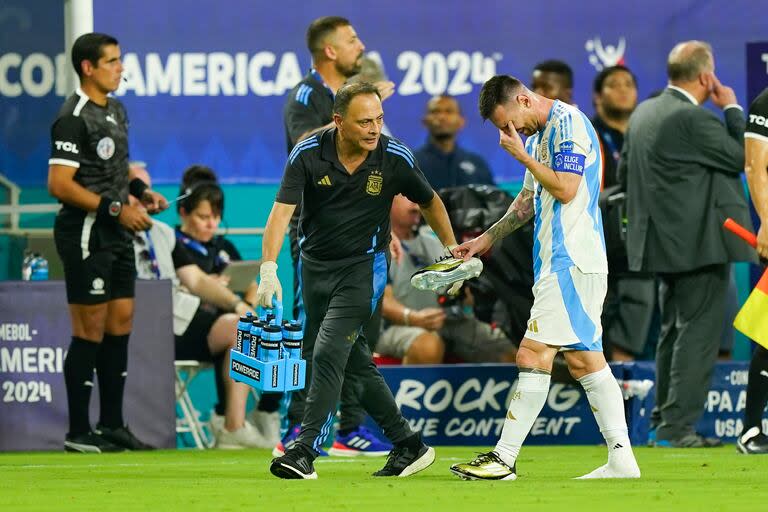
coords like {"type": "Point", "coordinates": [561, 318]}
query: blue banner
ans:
{"type": "Point", "coordinates": [466, 405]}
{"type": "Point", "coordinates": [205, 80]}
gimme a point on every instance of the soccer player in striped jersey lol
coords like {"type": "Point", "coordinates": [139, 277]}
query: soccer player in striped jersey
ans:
{"type": "Point", "coordinates": [562, 183]}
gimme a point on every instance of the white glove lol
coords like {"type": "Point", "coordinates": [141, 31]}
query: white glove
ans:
{"type": "Point", "coordinates": [269, 285]}
{"type": "Point", "coordinates": [455, 287]}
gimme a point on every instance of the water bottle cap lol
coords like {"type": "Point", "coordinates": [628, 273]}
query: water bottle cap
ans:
{"type": "Point", "coordinates": [245, 318]}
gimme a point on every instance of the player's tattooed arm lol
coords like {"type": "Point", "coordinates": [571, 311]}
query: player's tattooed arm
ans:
{"type": "Point", "coordinates": [519, 213]}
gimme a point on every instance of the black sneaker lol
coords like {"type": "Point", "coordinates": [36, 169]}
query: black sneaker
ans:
{"type": "Point", "coordinates": [121, 436]}
{"type": "Point", "coordinates": [90, 442]}
{"type": "Point", "coordinates": [406, 460]}
{"type": "Point", "coordinates": [295, 464]}
{"type": "Point", "coordinates": [752, 442]}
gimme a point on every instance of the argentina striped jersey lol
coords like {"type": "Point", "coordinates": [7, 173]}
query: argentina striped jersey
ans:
{"type": "Point", "coordinates": [567, 235]}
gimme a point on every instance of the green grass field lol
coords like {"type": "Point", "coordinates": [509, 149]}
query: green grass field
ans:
{"type": "Point", "coordinates": [673, 479]}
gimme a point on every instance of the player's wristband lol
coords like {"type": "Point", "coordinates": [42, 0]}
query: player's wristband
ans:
{"type": "Point", "coordinates": [137, 187]}
{"type": "Point", "coordinates": [407, 316]}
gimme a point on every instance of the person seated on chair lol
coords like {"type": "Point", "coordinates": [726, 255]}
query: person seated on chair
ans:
{"type": "Point", "coordinates": [200, 214]}
{"type": "Point", "coordinates": [420, 330]}
{"type": "Point", "coordinates": [201, 334]}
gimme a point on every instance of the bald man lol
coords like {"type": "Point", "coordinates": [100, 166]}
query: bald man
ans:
{"type": "Point", "coordinates": [682, 169]}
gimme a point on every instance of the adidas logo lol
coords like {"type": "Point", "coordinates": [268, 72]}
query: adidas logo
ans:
{"type": "Point", "coordinates": [325, 181]}
{"type": "Point", "coordinates": [618, 445]}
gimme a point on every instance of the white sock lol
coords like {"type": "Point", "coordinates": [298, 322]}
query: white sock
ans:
{"type": "Point", "coordinates": [607, 404]}
{"type": "Point", "coordinates": [527, 401]}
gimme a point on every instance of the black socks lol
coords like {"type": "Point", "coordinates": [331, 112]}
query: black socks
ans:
{"type": "Point", "coordinates": [111, 367]}
{"type": "Point", "coordinates": [78, 377]}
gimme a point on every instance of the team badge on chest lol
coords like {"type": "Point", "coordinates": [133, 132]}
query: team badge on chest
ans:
{"type": "Point", "coordinates": [375, 181]}
{"type": "Point", "coordinates": [105, 148]}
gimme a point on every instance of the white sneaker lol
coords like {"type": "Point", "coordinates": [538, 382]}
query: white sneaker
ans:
{"type": "Point", "coordinates": [245, 437]}
{"type": "Point", "coordinates": [621, 464]}
{"type": "Point", "coordinates": [268, 424]}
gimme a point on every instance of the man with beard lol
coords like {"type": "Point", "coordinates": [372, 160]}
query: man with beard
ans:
{"type": "Point", "coordinates": [630, 301]}
{"type": "Point", "coordinates": [442, 161]}
{"type": "Point", "coordinates": [337, 55]}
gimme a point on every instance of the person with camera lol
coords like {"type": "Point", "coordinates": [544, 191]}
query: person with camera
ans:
{"type": "Point", "coordinates": [422, 326]}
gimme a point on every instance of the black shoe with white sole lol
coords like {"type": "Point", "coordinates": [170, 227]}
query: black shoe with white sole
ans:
{"type": "Point", "coordinates": [295, 464]}
{"type": "Point", "coordinates": [90, 442]}
{"type": "Point", "coordinates": [406, 460]}
{"type": "Point", "coordinates": [752, 442]}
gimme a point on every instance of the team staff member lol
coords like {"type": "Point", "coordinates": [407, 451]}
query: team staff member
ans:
{"type": "Point", "coordinates": [337, 55]}
{"type": "Point", "coordinates": [348, 177]}
{"type": "Point", "coordinates": [88, 173]}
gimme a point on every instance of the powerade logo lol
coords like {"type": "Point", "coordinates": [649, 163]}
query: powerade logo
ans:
{"type": "Point", "coordinates": [295, 375]}
{"type": "Point", "coordinates": [274, 376]}
{"type": "Point", "coordinates": [246, 370]}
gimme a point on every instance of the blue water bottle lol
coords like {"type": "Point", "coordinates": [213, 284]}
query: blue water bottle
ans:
{"type": "Point", "coordinates": [293, 337]}
{"type": "Point", "coordinates": [256, 329]}
{"type": "Point", "coordinates": [243, 333]}
{"type": "Point", "coordinates": [269, 346]}
{"type": "Point", "coordinates": [39, 269]}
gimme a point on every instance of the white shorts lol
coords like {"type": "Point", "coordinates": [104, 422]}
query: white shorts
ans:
{"type": "Point", "coordinates": [566, 310]}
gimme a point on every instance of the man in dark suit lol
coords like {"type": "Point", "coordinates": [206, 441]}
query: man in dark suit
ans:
{"type": "Point", "coordinates": [682, 166]}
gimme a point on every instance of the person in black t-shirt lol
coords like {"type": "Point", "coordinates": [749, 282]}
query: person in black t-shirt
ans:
{"type": "Point", "coordinates": [88, 173]}
{"type": "Point", "coordinates": [752, 439]}
{"type": "Point", "coordinates": [347, 177]}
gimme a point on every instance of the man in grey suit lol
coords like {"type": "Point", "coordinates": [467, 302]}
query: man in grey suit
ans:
{"type": "Point", "coordinates": [681, 167]}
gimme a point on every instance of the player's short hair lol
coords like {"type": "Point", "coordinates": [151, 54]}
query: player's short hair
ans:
{"type": "Point", "coordinates": [497, 91]}
{"type": "Point", "coordinates": [201, 183]}
{"type": "Point", "coordinates": [347, 92]}
{"type": "Point", "coordinates": [89, 47]}
{"type": "Point", "coordinates": [602, 76]}
{"type": "Point", "coordinates": [688, 60]}
{"type": "Point", "coordinates": [320, 28]}
{"type": "Point", "coordinates": [558, 67]}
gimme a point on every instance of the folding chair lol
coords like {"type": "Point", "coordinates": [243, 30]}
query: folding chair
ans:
{"type": "Point", "coordinates": [189, 422]}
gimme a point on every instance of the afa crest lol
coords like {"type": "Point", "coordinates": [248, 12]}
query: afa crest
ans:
{"type": "Point", "coordinates": [375, 182]}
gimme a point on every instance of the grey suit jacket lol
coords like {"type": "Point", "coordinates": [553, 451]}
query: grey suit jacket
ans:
{"type": "Point", "coordinates": [681, 168]}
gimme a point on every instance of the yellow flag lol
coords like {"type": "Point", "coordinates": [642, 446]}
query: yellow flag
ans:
{"type": "Point", "coordinates": [752, 320]}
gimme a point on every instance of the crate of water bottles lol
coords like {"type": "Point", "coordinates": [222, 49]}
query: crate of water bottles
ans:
{"type": "Point", "coordinates": [267, 353]}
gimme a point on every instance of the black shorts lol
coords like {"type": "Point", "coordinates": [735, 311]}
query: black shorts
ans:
{"type": "Point", "coordinates": [193, 344]}
{"type": "Point", "coordinates": [95, 275]}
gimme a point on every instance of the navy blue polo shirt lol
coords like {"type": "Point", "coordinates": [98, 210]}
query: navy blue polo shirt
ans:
{"type": "Point", "coordinates": [455, 169]}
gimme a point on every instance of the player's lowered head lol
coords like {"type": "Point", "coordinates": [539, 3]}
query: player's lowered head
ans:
{"type": "Point", "coordinates": [96, 59]}
{"type": "Point", "coordinates": [510, 105]}
{"type": "Point", "coordinates": [358, 116]}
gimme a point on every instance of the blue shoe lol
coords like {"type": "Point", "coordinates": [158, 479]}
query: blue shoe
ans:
{"type": "Point", "coordinates": [289, 440]}
{"type": "Point", "coordinates": [360, 441]}
{"type": "Point", "coordinates": [651, 437]}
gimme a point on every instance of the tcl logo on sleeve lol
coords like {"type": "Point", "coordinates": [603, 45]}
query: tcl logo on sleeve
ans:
{"type": "Point", "coordinates": [69, 147]}
{"type": "Point", "coordinates": [758, 120]}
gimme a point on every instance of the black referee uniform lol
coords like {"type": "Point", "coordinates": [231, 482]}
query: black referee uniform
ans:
{"type": "Point", "coordinates": [344, 234]}
{"type": "Point", "coordinates": [98, 259]}
{"type": "Point", "coordinates": [96, 251]}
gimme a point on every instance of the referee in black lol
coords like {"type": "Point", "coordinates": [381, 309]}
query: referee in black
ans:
{"type": "Point", "coordinates": [347, 177]}
{"type": "Point", "coordinates": [88, 174]}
